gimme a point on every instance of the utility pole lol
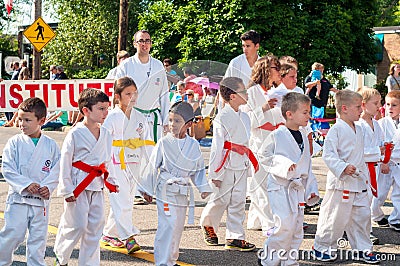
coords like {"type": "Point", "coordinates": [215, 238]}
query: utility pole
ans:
{"type": "Point", "coordinates": [123, 24]}
{"type": "Point", "coordinates": [37, 56]}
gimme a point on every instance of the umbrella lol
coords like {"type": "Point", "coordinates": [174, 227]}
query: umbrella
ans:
{"type": "Point", "coordinates": [205, 82]}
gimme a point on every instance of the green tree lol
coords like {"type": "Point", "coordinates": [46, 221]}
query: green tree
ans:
{"type": "Point", "coordinates": [8, 47]}
{"type": "Point", "coordinates": [389, 13]}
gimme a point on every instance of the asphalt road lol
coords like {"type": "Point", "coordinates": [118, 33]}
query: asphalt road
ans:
{"type": "Point", "coordinates": [193, 250]}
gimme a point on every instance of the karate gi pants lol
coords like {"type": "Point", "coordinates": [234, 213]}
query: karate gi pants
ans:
{"type": "Point", "coordinates": [18, 219]}
{"type": "Point", "coordinates": [385, 181]}
{"type": "Point", "coordinates": [336, 216]}
{"type": "Point", "coordinates": [288, 230]}
{"type": "Point", "coordinates": [231, 196]}
{"type": "Point", "coordinates": [170, 227]}
{"type": "Point", "coordinates": [119, 223]}
{"type": "Point", "coordinates": [260, 215]}
{"type": "Point", "coordinates": [82, 220]}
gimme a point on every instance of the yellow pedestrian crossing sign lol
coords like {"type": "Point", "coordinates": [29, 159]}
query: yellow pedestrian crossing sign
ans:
{"type": "Point", "coordinates": [39, 34]}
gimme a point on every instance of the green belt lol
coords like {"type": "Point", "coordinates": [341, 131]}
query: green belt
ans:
{"type": "Point", "coordinates": [155, 119]}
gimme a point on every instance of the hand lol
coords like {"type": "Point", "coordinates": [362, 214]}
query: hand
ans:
{"type": "Point", "coordinates": [147, 197]}
{"type": "Point", "coordinates": [204, 195]}
{"type": "Point", "coordinates": [292, 167]}
{"type": "Point", "coordinates": [217, 183]}
{"type": "Point", "coordinates": [117, 189]}
{"type": "Point", "coordinates": [350, 169]}
{"type": "Point", "coordinates": [312, 195]}
{"type": "Point", "coordinates": [385, 169]}
{"type": "Point", "coordinates": [269, 104]}
{"type": "Point", "coordinates": [70, 199]}
{"type": "Point", "coordinates": [166, 129]}
{"type": "Point", "coordinates": [44, 192]}
{"type": "Point", "coordinates": [33, 188]}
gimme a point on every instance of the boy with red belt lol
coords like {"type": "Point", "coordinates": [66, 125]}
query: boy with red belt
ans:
{"type": "Point", "coordinates": [84, 154]}
{"type": "Point", "coordinates": [230, 159]}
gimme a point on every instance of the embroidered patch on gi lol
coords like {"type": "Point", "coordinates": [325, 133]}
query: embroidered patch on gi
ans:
{"type": "Point", "coordinates": [157, 81]}
{"type": "Point", "coordinates": [140, 128]}
{"type": "Point", "coordinates": [46, 167]}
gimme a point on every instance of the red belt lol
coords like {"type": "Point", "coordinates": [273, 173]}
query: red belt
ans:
{"type": "Point", "coordinates": [371, 168]}
{"type": "Point", "coordinates": [238, 149]}
{"type": "Point", "coordinates": [94, 171]}
{"type": "Point", "coordinates": [268, 126]}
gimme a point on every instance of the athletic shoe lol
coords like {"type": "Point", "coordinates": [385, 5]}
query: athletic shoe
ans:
{"type": "Point", "coordinates": [240, 245]}
{"type": "Point", "coordinates": [374, 239]}
{"type": "Point", "coordinates": [210, 237]}
{"type": "Point", "coordinates": [138, 201]}
{"type": "Point", "coordinates": [395, 226]}
{"type": "Point", "coordinates": [112, 242]}
{"type": "Point", "coordinates": [383, 222]}
{"type": "Point", "coordinates": [321, 256]}
{"type": "Point", "coordinates": [368, 257]}
{"type": "Point", "coordinates": [131, 245]}
{"type": "Point", "coordinates": [57, 263]}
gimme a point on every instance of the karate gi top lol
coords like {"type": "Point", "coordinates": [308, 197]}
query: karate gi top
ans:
{"type": "Point", "coordinates": [239, 67]}
{"type": "Point", "coordinates": [81, 145]}
{"type": "Point", "coordinates": [373, 139]}
{"type": "Point", "coordinates": [152, 84]}
{"type": "Point", "coordinates": [342, 147]}
{"type": "Point", "coordinates": [24, 164]}
{"type": "Point", "coordinates": [234, 127]}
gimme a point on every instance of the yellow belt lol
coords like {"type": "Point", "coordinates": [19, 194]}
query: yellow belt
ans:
{"type": "Point", "coordinates": [132, 144]}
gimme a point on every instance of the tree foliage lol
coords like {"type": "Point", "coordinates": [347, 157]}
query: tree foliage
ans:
{"type": "Point", "coordinates": [335, 33]}
{"type": "Point", "coordinates": [389, 13]}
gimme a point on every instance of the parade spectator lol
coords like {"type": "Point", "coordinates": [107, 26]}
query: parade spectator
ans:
{"type": "Point", "coordinates": [60, 73]}
{"type": "Point", "coordinates": [11, 116]}
{"type": "Point", "coordinates": [56, 120]}
{"type": "Point", "coordinates": [24, 74]}
{"type": "Point", "coordinates": [189, 75]}
{"type": "Point", "coordinates": [168, 66]}
{"type": "Point", "coordinates": [191, 100]}
{"type": "Point", "coordinates": [121, 56]}
{"type": "Point", "coordinates": [53, 72]}
{"type": "Point", "coordinates": [179, 93]}
{"type": "Point", "coordinates": [393, 80]}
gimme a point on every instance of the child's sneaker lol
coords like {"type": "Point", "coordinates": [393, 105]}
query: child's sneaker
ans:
{"type": "Point", "coordinates": [368, 257]}
{"type": "Point", "coordinates": [383, 222]}
{"type": "Point", "coordinates": [315, 254]}
{"type": "Point", "coordinates": [241, 245]}
{"type": "Point", "coordinates": [395, 226]}
{"type": "Point", "coordinates": [131, 245]}
{"type": "Point", "coordinates": [57, 263]}
{"type": "Point", "coordinates": [112, 242]}
{"type": "Point", "coordinates": [210, 237]}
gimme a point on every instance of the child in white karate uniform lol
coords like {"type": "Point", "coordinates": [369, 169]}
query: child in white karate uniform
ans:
{"type": "Point", "coordinates": [390, 172]}
{"type": "Point", "coordinates": [346, 204]}
{"type": "Point", "coordinates": [229, 168]}
{"type": "Point", "coordinates": [175, 160]}
{"type": "Point", "coordinates": [286, 158]}
{"type": "Point", "coordinates": [373, 138]}
{"type": "Point", "coordinates": [30, 163]}
{"type": "Point", "coordinates": [130, 133]}
{"type": "Point", "coordinates": [85, 152]}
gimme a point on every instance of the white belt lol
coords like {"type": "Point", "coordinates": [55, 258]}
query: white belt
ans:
{"type": "Point", "coordinates": [296, 195]}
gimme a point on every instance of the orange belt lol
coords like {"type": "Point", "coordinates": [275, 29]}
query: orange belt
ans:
{"type": "Point", "coordinates": [238, 149]}
{"type": "Point", "coordinates": [94, 171]}
{"type": "Point", "coordinates": [268, 126]}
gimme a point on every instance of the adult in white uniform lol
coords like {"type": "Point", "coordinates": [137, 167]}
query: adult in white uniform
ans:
{"type": "Point", "coordinates": [151, 79]}
{"type": "Point", "coordinates": [83, 216]}
{"type": "Point", "coordinates": [346, 204]}
{"type": "Point", "coordinates": [175, 161]}
{"type": "Point", "coordinates": [121, 56]}
{"type": "Point", "coordinates": [290, 184]}
{"type": "Point", "coordinates": [264, 118]}
{"type": "Point", "coordinates": [31, 168]}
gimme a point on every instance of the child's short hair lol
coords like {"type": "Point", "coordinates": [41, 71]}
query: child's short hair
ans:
{"type": "Point", "coordinates": [230, 85]}
{"type": "Point", "coordinates": [183, 109]}
{"type": "Point", "coordinates": [367, 93]}
{"type": "Point", "coordinates": [34, 105]}
{"type": "Point", "coordinates": [345, 97]}
{"type": "Point", "coordinates": [289, 60]}
{"type": "Point", "coordinates": [393, 94]}
{"type": "Point", "coordinates": [89, 97]}
{"type": "Point", "coordinates": [285, 69]}
{"type": "Point", "coordinates": [316, 66]}
{"type": "Point", "coordinates": [292, 100]}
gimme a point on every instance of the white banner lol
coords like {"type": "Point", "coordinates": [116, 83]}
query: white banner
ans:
{"type": "Point", "coordinates": [57, 94]}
